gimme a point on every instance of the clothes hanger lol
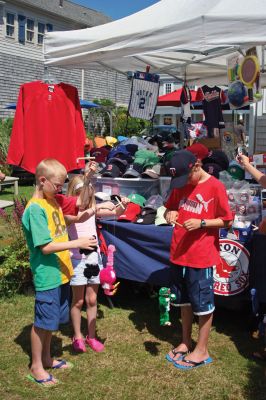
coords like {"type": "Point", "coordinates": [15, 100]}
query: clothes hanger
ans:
{"type": "Point", "coordinates": [49, 78]}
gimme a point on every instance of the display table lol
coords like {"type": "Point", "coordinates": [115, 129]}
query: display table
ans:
{"type": "Point", "coordinates": [142, 255]}
{"type": "Point", "coordinates": [10, 180]}
{"type": "Point", "coordinates": [142, 251]}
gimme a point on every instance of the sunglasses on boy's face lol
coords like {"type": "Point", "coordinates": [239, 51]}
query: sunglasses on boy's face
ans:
{"type": "Point", "coordinates": [56, 186]}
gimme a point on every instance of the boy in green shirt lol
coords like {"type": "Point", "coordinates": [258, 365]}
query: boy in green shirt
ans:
{"type": "Point", "coordinates": [46, 235]}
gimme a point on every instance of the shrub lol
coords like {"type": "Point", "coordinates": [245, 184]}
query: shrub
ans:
{"type": "Point", "coordinates": [15, 274]}
{"type": "Point", "coordinates": [5, 132]}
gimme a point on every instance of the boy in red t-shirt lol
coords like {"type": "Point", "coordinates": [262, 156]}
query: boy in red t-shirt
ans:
{"type": "Point", "coordinates": [198, 206]}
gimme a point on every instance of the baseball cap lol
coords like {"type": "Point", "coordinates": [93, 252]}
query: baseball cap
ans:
{"type": "Point", "coordinates": [132, 148]}
{"type": "Point", "coordinates": [131, 212]}
{"type": "Point", "coordinates": [100, 154]}
{"type": "Point", "coordinates": [147, 216]}
{"type": "Point", "coordinates": [110, 140]}
{"type": "Point", "coordinates": [217, 157]}
{"type": "Point", "coordinates": [179, 168]}
{"type": "Point", "coordinates": [154, 201]}
{"type": "Point", "coordinates": [131, 172]}
{"type": "Point", "coordinates": [236, 171]}
{"type": "Point", "coordinates": [199, 150]}
{"type": "Point", "coordinates": [120, 152]}
{"type": "Point", "coordinates": [102, 196]}
{"type": "Point", "coordinates": [146, 158]}
{"type": "Point", "coordinates": [160, 220]}
{"type": "Point", "coordinates": [212, 169]}
{"type": "Point", "coordinates": [115, 167]}
{"type": "Point", "coordinates": [121, 138]}
{"type": "Point", "coordinates": [152, 172]}
{"type": "Point", "coordinates": [137, 199]}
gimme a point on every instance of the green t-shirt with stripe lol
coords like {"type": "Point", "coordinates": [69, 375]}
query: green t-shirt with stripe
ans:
{"type": "Point", "coordinates": [43, 222]}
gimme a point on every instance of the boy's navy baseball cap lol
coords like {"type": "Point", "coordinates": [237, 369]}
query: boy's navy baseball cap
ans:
{"type": "Point", "coordinates": [179, 168]}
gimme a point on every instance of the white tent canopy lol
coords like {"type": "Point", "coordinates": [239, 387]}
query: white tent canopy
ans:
{"type": "Point", "coordinates": [172, 36]}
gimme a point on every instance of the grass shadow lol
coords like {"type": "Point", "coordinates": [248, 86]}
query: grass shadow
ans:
{"type": "Point", "coordinates": [142, 301]}
{"type": "Point", "coordinates": [23, 340]}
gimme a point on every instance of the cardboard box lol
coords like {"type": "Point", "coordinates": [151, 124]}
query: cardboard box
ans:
{"type": "Point", "coordinates": [211, 143]}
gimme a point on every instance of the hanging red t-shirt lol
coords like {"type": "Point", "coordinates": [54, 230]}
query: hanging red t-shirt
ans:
{"type": "Point", "coordinates": [48, 124]}
{"type": "Point", "coordinates": [207, 200]}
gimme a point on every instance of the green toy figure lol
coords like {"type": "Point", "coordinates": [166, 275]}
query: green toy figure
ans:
{"type": "Point", "coordinates": [165, 297]}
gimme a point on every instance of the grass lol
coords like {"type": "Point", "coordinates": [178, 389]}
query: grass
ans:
{"type": "Point", "coordinates": [133, 365]}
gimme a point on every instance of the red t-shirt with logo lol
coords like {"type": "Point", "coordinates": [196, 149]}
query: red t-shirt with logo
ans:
{"type": "Point", "coordinates": [207, 200]}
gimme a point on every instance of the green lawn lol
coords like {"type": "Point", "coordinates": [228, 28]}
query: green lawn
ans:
{"type": "Point", "coordinates": [133, 365]}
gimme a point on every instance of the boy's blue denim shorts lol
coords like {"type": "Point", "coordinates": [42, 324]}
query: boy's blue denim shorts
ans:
{"type": "Point", "coordinates": [193, 286]}
{"type": "Point", "coordinates": [52, 307]}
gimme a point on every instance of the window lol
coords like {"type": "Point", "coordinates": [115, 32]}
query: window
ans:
{"type": "Point", "coordinates": [49, 28]}
{"type": "Point", "coordinates": [168, 88]}
{"type": "Point", "coordinates": [21, 28]}
{"type": "Point", "coordinates": [30, 30]}
{"type": "Point", "coordinates": [41, 31]}
{"type": "Point", "coordinates": [10, 25]}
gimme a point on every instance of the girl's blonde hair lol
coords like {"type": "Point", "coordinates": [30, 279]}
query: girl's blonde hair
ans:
{"type": "Point", "coordinates": [78, 186]}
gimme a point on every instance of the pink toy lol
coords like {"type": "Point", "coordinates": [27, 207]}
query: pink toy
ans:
{"type": "Point", "coordinates": [107, 274]}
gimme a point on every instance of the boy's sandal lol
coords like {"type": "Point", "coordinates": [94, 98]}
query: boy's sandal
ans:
{"type": "Point", "coordinates": [61, 364]}
{"type": "Point", "coordinates": [192, 364]}
{"type": "Point", "coordinates": [175, 353]}
{"type": "Point", "coordinates": [42, 382]}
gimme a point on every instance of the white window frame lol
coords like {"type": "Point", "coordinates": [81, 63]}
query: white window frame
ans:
{"type": "Point", "coordinates": [39, 33]}
{"type": "Point", "coordinates": [30, 30]}
{"type": "Point", "coordinates": [168, 88]}
{"type": "Point", "coordinates": [14, 25]}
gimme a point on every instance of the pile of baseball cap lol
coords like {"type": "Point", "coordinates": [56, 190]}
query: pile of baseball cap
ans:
{"type": "Point", "coordinates": [144, 212]}
{"type": "Point", "coordinates": [148, 158]}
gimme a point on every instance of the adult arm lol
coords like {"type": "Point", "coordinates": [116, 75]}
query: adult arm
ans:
{"type": "Point", "coordinates": [254, 172]}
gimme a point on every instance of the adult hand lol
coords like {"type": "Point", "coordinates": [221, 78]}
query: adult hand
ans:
{"type": "Point", "coordinates": [192, 224]}
{"type": "Point", "coordinates": [87, 243]}
{"type": "Point", "coordinates": [171, 216]}
{"type": "Point", "coordinates": [242, 160]}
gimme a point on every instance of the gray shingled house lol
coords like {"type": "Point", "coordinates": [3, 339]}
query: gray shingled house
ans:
{"type": "Point", "coordinates": [23, 24]}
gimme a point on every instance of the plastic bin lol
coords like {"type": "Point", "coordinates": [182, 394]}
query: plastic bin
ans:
{"type": "Point", "coordinates": [164, 182]}
{"type": "Point", "coordinates": [125, 187]}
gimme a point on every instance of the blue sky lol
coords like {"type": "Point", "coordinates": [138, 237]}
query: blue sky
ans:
{"type": "Point", "coordinates": [116, 8]}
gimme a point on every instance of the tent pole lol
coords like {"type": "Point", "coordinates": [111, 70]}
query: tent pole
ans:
{"type": "Point", "coordinates": [255, 127]}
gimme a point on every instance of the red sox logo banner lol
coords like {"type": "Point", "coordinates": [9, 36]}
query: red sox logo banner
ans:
{"type": "Point", "coordinates": [231, 275]}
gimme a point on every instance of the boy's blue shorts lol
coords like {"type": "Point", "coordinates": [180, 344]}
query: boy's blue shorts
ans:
{"type": "Point", "coordinates": [193, 286]}
{"type": "Point", "coordinates": [52, 307]}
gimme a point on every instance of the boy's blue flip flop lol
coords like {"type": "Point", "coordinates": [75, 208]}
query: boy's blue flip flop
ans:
{"type": "Point", "coordinates": [175, 353]}
{"type": "Point", "coordinates": [42, 382]}
{"type": "Point", "coordinates": [194, 363]}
